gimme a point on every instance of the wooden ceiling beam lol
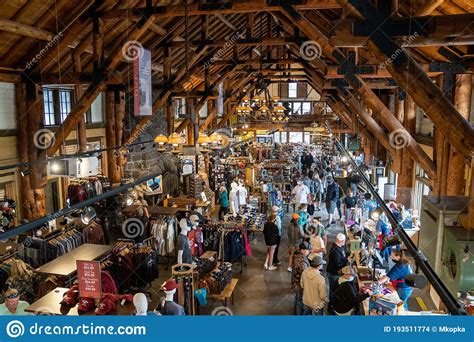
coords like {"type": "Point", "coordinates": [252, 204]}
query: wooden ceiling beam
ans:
{"type": "Point", "coordinates": [427, 7]}
{"type": "Point", "coordinates": [94, 90]}
{"type": "Point", "coordinates": [25, 30]}
{"type": "Point", "coordinates": [426, 94]}
{"type": "Point", "coordinates": [238, 42]}
{"type": "Point", "coordinates": [247, 6]}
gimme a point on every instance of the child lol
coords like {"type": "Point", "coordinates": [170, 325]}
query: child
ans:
{"type": "Point", "coordinates": [317, 243]}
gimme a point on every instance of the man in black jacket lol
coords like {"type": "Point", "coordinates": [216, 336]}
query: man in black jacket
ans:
{"type": "Point", "coordinates": [336, 261]}
{"type": "Point", "coordinates": [346, 294]}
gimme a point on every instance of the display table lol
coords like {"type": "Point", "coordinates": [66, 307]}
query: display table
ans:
{"type": "Point", "coordinates": [50, 305]}
{"type": "Point", "coordinates": [65, 265]}
{"type": "Point", "coordinates": [227, 293]}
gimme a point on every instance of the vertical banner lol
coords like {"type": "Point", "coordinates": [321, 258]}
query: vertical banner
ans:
{"type": "Point", "coordinates": [88, 276]}
{"type": "Point", "coordinates": [143, 100]}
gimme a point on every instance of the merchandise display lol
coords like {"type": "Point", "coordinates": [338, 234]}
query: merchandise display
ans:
{"type": "Point", "coordinates": [236, 158]}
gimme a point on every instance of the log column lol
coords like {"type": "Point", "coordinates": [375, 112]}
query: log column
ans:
{"type": "Point", "coordinates": [399, 115]}
{"type": "Point", "coordinates": [30, 146]}
{"type": "Point", "coordinates": [405, 177]}
{"type": "Point", "coordinates": [456, 178]}
{"type": "Point", "coordinates": [119, 104]}
{"type": "Point", "coordinates": [113, 170]}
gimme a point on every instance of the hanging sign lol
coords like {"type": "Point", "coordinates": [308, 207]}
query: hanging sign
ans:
{"type": "Point", "coordinates": [88, 275]}
{"type": "Point", "coordinates": [143, 100]}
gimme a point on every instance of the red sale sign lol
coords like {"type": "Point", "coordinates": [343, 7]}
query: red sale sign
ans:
{"type": "Point", "coordinates": [88, 275]}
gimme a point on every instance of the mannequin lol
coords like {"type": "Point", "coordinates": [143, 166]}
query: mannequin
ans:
{"type": "Point", "coordinates": [184, 250]}
{"type": "Point", "coordinates": [169, 307]}
{"type": "Point", "coordinates": [233, 202]}
{"type": "Point", "coordinates": [242, 193]}
{"type": "Point", "coordinates": [141, 305]}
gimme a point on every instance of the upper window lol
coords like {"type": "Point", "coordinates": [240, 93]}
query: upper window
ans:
{"type": "Point", "coordinates": [49, 116]}
{"type": "Point", "coordinates": [292, 90]}
{"type": "Point", "coordinates": [179, 107]}
{"type": "Point", "coordinates": [57, 105]}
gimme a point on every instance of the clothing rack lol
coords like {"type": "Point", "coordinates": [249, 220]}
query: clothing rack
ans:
{"type": "Point", "coordinates": [230, 227]}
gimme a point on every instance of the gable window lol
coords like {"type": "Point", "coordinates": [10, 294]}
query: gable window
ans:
{"type": "Point", "coordinates": [57, 105]}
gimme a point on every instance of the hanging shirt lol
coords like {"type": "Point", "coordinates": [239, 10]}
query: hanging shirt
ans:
{"type": "Point", "coordinates": [183, 245]}
{"type": "Point", "coordinates": [242, 195]}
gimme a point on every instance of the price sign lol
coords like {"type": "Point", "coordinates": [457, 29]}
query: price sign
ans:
{"type": "Point", "coordinates": [88, 275]}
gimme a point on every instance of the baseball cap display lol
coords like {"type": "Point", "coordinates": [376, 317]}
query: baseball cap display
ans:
{"type": "Point", "coordinates": [86, 304]}
{"type": "Point", "coordinates": [71, 296]}
{"type": "Point", "coordinates": [170, 285]}
{"type": "Point", "coordinates": [107, 304]}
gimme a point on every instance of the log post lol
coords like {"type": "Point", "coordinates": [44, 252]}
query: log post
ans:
{"type": "Point", "coordinates": [110, 138]}
{"type": "Point", "coordinates": [26, 193]}
{"type": "Point", "coordinates": [405, 177]}
{"type": "Point", "coordinates": [119, 104]}
{"type": "Point", "coordinates": [78, 92]}
{"type": "Point", "coordinates": [456, 177]}
{"type": "Point", "coordinates": [399, 115]}
{"type": "Point", "coordinates": [36, 144]}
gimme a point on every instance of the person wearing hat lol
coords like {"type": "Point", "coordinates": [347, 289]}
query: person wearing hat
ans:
{"type": "Point", "coordinates": [276, 212]}
{"type": "Point", "coordinates": [295, 237]}
{"type": "Point", "coordinates": [313, 283]}
{"type": "Point", "coordinates": [337, 259]}
{"type": "Point", "coordinates": [300, 263]}
{"type": "Point", "coordinates": [346, 294]}
{"type": "Point", "coordinates": [270, 233]}
{"type": "Point", "coordinates": [332, 196]}
{"type": "Point", "coordinates": [13, 305]}
{"type": "Point", "coordinates": [168, 307]}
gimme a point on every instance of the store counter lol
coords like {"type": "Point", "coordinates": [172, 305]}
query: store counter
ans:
{"type": "Point", "coordinates": [50, 305]}
{"type": "Point", "coordinates": [65, 265]}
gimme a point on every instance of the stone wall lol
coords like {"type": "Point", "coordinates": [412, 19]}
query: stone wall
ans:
{"type": "Point", "coordinates": [145, 159]}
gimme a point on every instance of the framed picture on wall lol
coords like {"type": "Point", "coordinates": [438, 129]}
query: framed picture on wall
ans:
{"type": "Point", "coordinates": [156, 184]}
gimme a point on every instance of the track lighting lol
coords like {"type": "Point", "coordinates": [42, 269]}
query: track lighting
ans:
{"type": "Point", "coordinates": [25, 172]}
{"type": "Point", "coordinates": [88, 215]}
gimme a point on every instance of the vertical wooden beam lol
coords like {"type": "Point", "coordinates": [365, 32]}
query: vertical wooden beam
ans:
{"type": "Point", "coordinates": [38, 176]}
{"type": "Point", "coordinates": [406, 175]}
{"type": "Point", "coordinates": [169, 117]}
{"type": "Point", "coordinates": [78, 92]}
{"type": "Point", "coordinates": [456, 177]}
{"type": "Point", "coordinates": [110, 138]}
{"type": "Point", "coordinates": [399, 115]}
{"type": "Point", "coordinates": [119, 103]}
{"type": "Point", "coordinates": [26, 193]}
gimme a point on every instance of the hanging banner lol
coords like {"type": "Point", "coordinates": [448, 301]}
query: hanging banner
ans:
{"type": "Point", "coordinates": [143, 100]}
{"type": "Point", "coordinates": [88, 276]}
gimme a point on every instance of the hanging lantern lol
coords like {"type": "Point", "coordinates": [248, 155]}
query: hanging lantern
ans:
{"type": "Point", "coordinates": [161, 140]}
{"type": "Point", "coordinates": [216, 139]}
{"type": "Point", "coordinates": [256, 101]}
{"type": "Point", "coordinates": [203, 141]}
{"type": "Point", "coordinates": [175, 140]}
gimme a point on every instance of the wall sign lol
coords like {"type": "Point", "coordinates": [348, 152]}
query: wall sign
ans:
{"type": "Point", "coordinates": [88, 275]}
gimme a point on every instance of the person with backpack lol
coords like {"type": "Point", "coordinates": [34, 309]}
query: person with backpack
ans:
{"type": "Point", "coordinates": [317, 190]}
{"type": "Point", "coordinates": [332, 196]}
{"type": "Point", "coordinates": [338, 201]}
